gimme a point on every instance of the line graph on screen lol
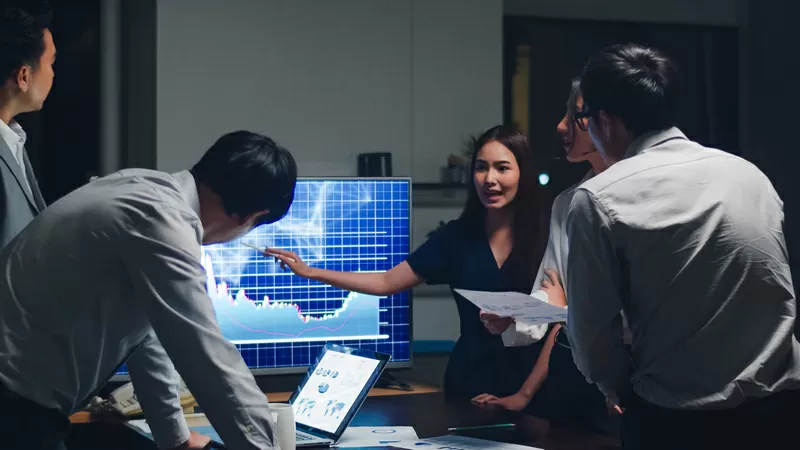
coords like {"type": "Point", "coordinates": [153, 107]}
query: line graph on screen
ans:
{"type": "Point", "coordinates": [249, 321]}
{"type": "Point", "coordinates": [278, 319]}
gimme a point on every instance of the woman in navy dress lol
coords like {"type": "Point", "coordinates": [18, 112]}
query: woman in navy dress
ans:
{"type": "Point", "coordinates": [494, 246]}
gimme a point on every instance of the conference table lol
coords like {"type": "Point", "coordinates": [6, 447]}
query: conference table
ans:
{"type": "Point", "coordinates": [428, 413]}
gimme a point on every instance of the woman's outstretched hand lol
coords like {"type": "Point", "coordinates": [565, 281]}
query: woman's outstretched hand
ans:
{"type": "Point", "coordinates": [291, 260]}
{"type": "Point", "coordinates": [514, 402]}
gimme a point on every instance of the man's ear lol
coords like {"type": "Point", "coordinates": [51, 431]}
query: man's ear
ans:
{"type": "Point", "coordinates": [254, 217]}
{"type": "Point", "coordinates": [605, 119]}
{"type": "Point", "coordinates": [23, 77]}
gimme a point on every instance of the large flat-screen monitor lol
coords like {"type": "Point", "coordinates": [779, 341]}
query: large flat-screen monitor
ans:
{"type": "Point", "coordinates": [279, 321]}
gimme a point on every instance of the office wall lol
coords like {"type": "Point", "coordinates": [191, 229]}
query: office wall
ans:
{"type": "Point", "coordinates": [329, 80]}
{"type": "Point", "coordinates": [326, 79]}
{"type": "Point", "coordinates": [457, 77]}
{"type": "Point", "coordinates": [695, 12]}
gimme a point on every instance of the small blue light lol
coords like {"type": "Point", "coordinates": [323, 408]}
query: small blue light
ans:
{"type": "Point", "coordinates": [544, 178]}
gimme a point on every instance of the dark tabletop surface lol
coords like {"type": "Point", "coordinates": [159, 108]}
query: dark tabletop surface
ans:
{"type": "Point", "coordinates": [429, 414]}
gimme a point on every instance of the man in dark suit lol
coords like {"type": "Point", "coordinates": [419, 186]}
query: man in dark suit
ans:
{"type": "Point", "coordinates": [27, 54]}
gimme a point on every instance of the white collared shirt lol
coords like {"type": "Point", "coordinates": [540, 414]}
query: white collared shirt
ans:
{"type": "Point", "coordinates": [109, 274]}
{"type": "Point", "coordinates": [555, 257]}
{"type": "Point", "coordinates": [15, 137]}
{"type": "Point", "coordinates": [688, 242]}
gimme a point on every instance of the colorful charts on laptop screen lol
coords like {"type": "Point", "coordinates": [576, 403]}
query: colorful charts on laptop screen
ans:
{"type": "Point", "coordinates": [332, 389]}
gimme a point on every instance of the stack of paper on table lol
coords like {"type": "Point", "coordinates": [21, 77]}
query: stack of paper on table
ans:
{"type": "Point", "coordinates": [525, 308]}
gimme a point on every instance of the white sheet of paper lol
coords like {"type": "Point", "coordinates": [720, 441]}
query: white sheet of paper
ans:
{"type": "Point", "coordinates": [375, 436]}
{"type": "Point", "coordinates": [525, 308]}
{"type": "Point", "coordinates": [141, 425]}
{"type": "Point", "coordinates": [458, 443]}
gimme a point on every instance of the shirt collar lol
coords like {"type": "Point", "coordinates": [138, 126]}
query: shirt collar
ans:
{"type": "Point", "coordinates": [189, 189]}
{"type": "Point", "coordinates": [651, 139]}
{"type": "Point", "coordinates": [13, 134]}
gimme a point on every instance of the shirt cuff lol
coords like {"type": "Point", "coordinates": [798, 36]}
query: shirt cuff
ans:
{"type": "Point", "coordinates": [170, 432]}
{"type": "Point", "coordinates": [520, 334]}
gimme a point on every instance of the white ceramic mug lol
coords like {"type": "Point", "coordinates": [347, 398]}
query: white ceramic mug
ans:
{"type": "Point", "coordinates": [283, 414]}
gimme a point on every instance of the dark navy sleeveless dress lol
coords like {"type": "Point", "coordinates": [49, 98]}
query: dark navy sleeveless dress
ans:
{"type": "Point", "coordinates": [459, 255]}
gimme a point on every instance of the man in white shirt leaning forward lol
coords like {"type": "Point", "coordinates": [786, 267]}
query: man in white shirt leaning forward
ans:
{"type": "Point", "coordinates": [112, 274]}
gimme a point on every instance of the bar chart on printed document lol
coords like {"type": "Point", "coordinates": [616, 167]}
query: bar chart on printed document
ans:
{"type": "Point", "coordinates": [279, 319]}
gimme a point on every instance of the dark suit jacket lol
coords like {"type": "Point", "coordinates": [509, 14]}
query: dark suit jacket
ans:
{"type": "Point", "coordinates": [18, 205]}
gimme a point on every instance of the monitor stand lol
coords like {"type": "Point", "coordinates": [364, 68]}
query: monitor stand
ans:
{"type": "Point", "coordinates": [390, 381]}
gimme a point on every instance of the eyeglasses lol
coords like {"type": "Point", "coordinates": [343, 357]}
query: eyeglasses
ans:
{"type": "Point", "coordinates": [579, 117]}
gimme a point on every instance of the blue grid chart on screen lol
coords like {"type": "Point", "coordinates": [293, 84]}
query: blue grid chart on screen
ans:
{"type": "Point", "coordinates": [278, 319]}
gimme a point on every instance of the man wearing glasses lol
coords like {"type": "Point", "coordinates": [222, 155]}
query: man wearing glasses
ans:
{"type": "Point", "coordinates": [688, 242]}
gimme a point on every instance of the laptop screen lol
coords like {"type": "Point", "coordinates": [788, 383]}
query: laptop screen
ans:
{"type": "Point", "coordinates": [336, 386]}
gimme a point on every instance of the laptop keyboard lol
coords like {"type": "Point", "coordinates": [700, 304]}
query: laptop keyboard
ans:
{"type": "Point", "coordinates": [303, 437]}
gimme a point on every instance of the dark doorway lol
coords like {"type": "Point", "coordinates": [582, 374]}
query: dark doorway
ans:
{"type": "Point", "coordinates": [63, 138]}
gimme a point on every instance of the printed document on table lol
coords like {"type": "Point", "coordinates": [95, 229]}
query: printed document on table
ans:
{"type": "Point", "coordinates": [375, 436]}
{"type": "Point", "coordinates": [459, 443]}
{"type": "Point", "coordinates": [523, 307]}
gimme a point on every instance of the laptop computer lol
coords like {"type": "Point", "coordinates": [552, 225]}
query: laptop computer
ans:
{"type": "Point", "coordinates": [333, 390]}
{"type": "Point", "coordinates": [325, 402]}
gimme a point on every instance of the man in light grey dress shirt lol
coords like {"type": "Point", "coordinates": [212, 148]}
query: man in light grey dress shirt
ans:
{"type": "Point", "coordinates": [27, 54]}
{"type": "Point", "coordinates": [111, 273]}
{"type": "Point", "coordinates": [688, 242]}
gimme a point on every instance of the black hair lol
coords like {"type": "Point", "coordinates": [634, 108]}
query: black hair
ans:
{"type": "Point", "coordinates": [22, 25]}
{"type": "Point", "coordinates": [530, 217]}
{"type": "Point", "coordinates": [635, 83]}
{"type": "Point", "coordinates": [250, 173]}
